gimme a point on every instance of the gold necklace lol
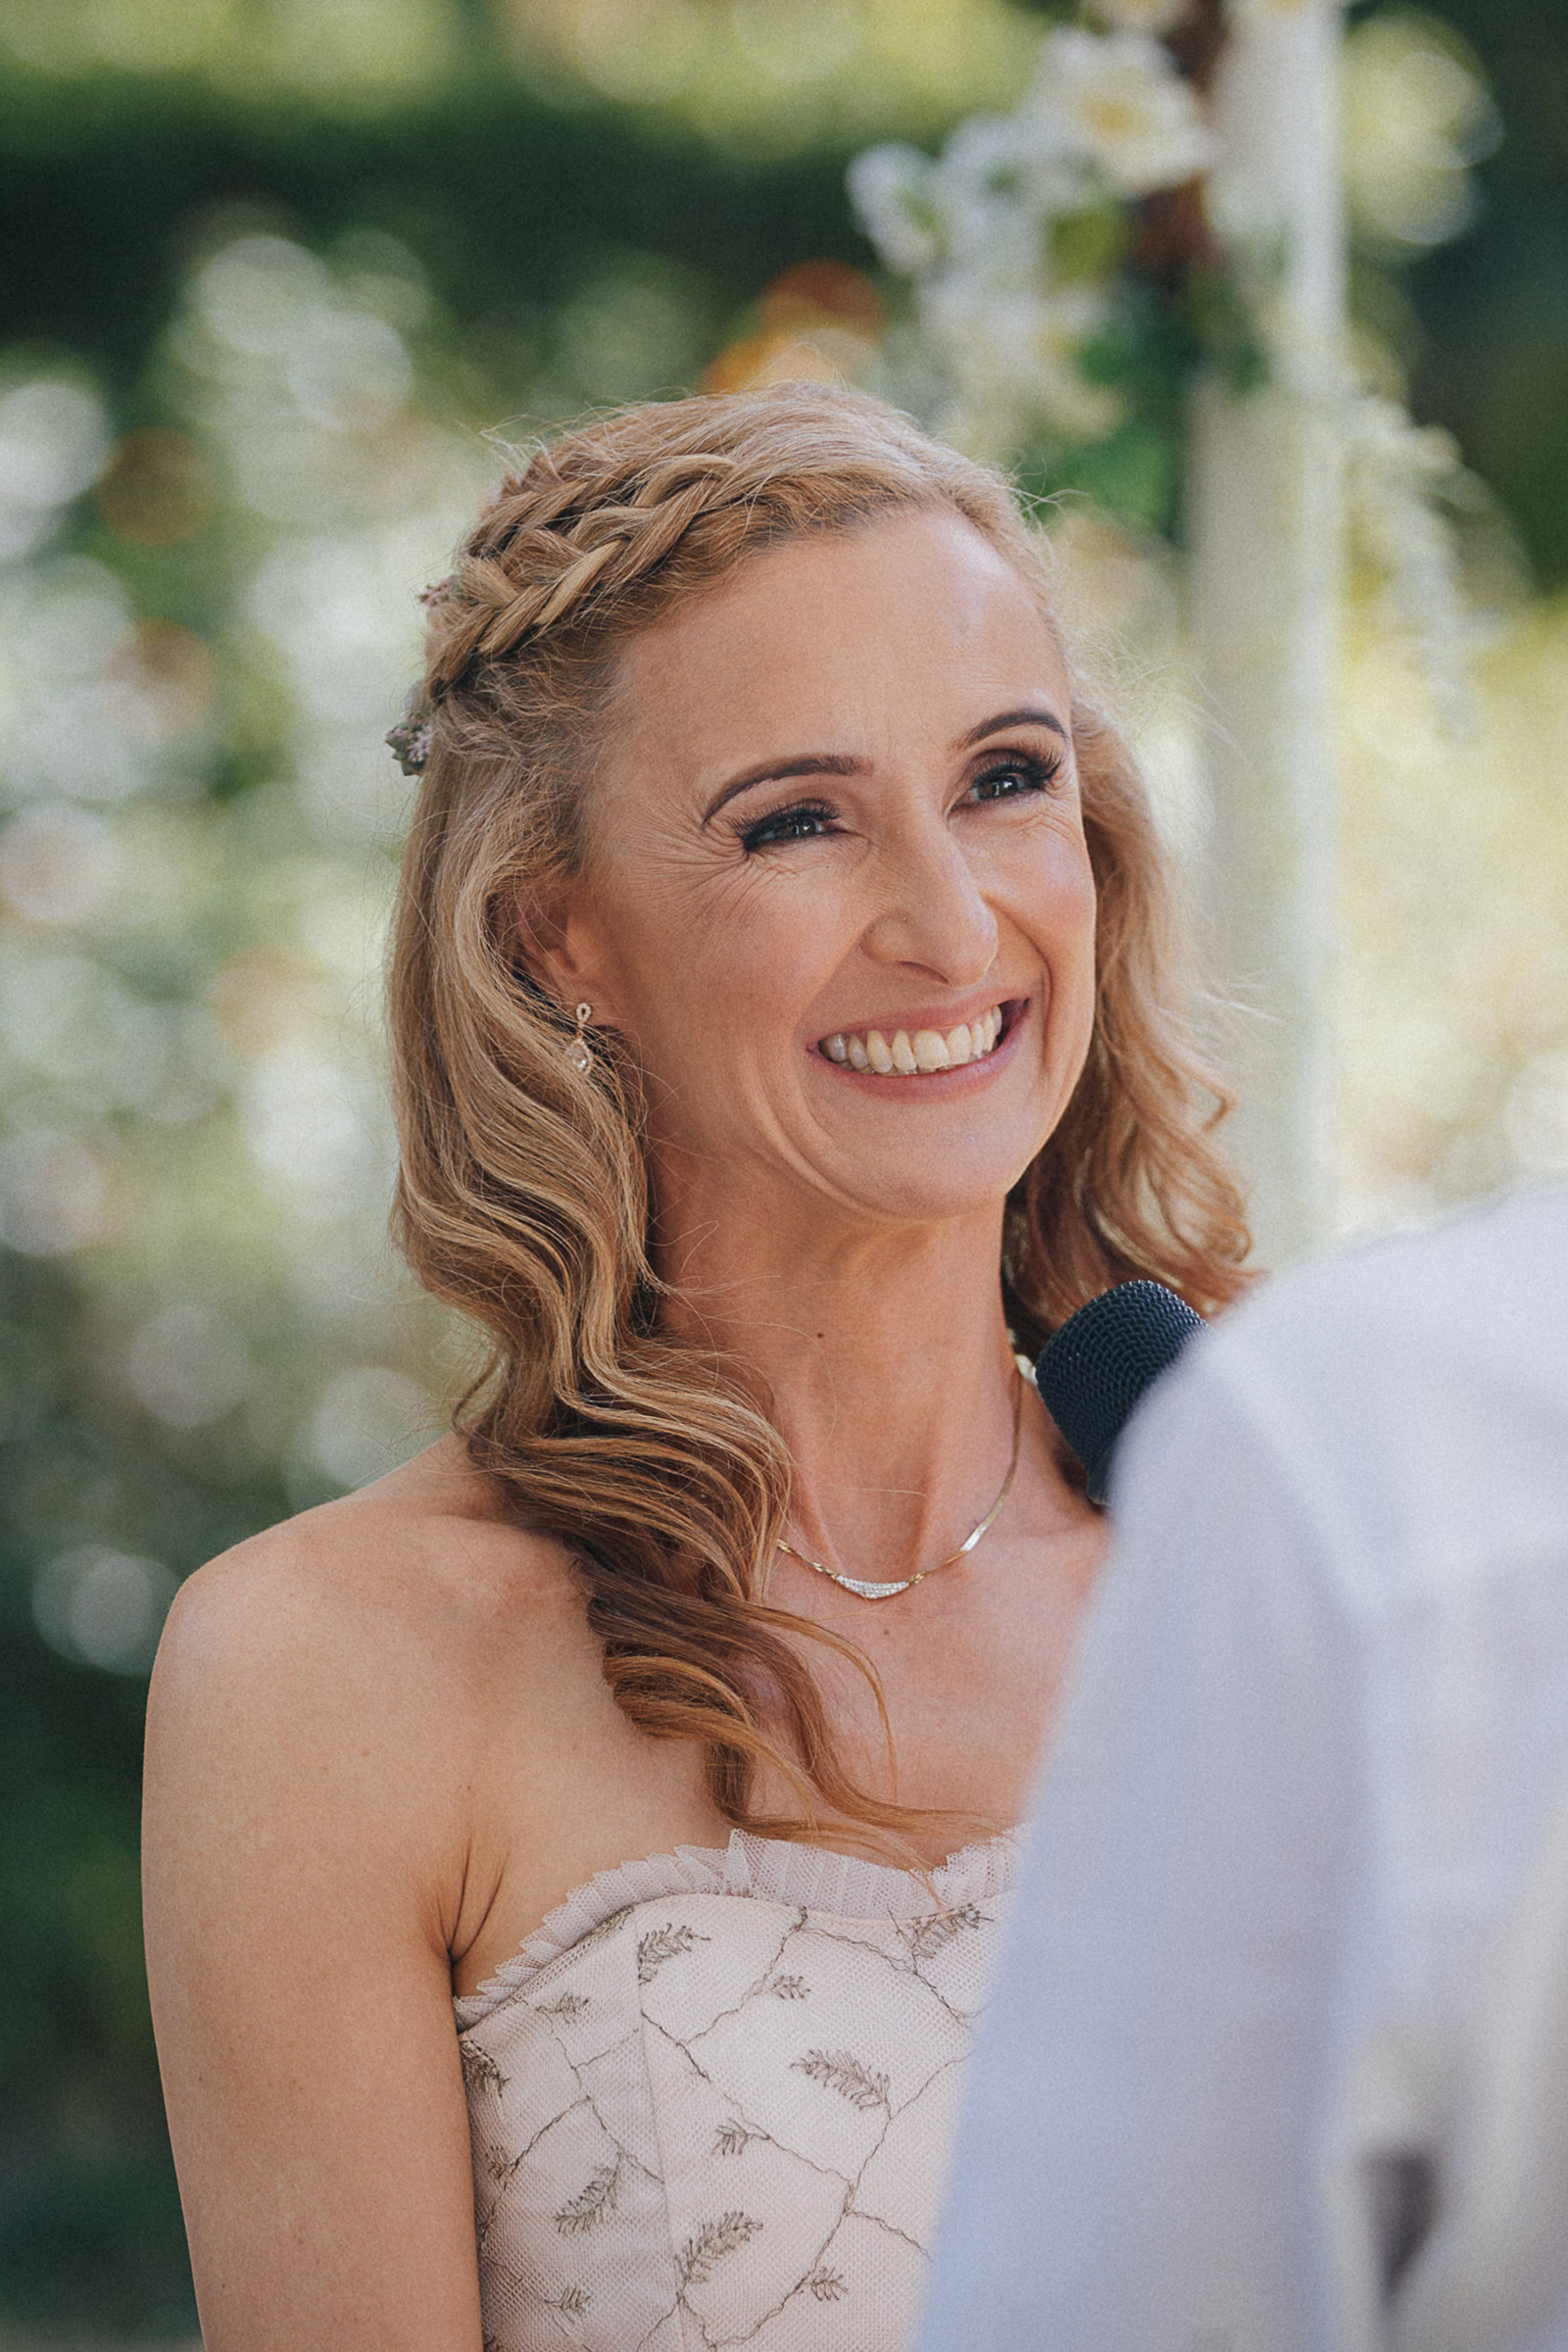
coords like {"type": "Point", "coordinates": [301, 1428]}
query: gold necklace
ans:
{"type": "Point", "coordinates": [854, 1584]}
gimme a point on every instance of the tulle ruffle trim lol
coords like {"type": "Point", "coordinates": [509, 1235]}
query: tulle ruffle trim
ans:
{"type": "Point", "coordinates": [770, 1870]}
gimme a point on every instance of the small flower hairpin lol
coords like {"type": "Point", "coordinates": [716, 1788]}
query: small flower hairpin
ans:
{"type": "Point", "coordinates": [409, 740]}
{"type": "Point", "coordinates": [410, 744]}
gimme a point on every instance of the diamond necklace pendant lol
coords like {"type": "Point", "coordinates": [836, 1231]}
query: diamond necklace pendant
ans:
{"type": "Point", "coordinates": [868, 1591]}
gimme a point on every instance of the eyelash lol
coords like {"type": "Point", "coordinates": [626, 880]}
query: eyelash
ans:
{"type": "Point", "coordinates": [765, 832]}
{"type": "Point", "coordinates": [1040, 773]}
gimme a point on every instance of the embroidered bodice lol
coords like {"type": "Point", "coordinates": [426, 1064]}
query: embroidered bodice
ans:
{"type": "Point", "coordinates": [710, 2100]}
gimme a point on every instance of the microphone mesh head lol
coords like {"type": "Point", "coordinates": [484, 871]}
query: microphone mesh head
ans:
{"type": "Point", "coordinates": [1092, 1372]}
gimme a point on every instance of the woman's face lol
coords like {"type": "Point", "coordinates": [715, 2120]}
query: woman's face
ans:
{"type": "Point", "coordinates": [837, 897]}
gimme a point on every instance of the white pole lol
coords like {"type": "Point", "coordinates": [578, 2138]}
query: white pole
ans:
{"type": "Point", "coordinates": [1265, 519]}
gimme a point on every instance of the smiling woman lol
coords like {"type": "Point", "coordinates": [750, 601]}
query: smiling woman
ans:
{"type": "Point", "coordinates": [782, 1001]}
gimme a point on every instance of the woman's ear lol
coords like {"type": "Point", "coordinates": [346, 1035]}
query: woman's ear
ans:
{"type": "Point", "coordinates": [556, 948]}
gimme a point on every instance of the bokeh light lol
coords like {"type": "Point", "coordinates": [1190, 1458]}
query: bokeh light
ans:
{"type": "Point", "coordinates": [157, 488]}
{"type": "Point", "coordinates": [821, 322]}
{"type": "Point", "coordinates": [1418, 116]}
{"type": "Point", "coordinates": [103, 1608]}
{"type": "Point", "coordinates": [367, 1422]}
{"type": "Point", "coordinates": [53, 443]}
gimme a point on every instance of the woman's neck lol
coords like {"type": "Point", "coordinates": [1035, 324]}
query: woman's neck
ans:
{"type": "Point", "coordinates": [886, 1354]}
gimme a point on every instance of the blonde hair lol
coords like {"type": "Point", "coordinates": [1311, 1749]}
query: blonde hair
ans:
{"type": "Point", "coordinates": [524, 1192]}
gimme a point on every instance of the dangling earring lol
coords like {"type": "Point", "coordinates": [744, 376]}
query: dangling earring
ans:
{"type": "Point", "coordinates": [580, 1052]}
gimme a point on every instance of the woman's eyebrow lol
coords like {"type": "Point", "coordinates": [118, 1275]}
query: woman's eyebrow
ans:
{"type": "Point", "coordinates": [768, 772]}
{"type": "Point", "coordinates": [1030, 718]}
{"type": "Point", "coordinates": [845, 764]}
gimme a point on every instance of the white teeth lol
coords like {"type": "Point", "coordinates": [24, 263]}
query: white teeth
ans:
{"type": "Point", "coordinates": [923, 1055]}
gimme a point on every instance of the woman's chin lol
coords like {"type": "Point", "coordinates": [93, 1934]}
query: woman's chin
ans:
{"type": "Point", "coordinates": [930, 1191]}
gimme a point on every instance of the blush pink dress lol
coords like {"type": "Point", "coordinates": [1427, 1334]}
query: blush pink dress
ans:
{"type": "Point", "coordinates": [711, 2100]}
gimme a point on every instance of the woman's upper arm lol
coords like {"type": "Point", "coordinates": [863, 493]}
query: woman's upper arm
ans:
{"type": "Point", "coordinates": [303, 1858]}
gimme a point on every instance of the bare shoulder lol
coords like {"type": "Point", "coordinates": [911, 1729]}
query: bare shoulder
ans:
{"type": "Point", "coordinates": [347, 1700]}
{"type": "Point", "coordinates": [354, 1674]}
{"type": "Point", "coordinates": [419, 1574]}
{"type": "Point", "coordinates": [398, 1700]}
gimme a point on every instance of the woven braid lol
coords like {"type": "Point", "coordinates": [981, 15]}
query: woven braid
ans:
{"type": "Point", "coordinates": [600, 510]}
{"type": "Point", "coordinates": [542, 556]}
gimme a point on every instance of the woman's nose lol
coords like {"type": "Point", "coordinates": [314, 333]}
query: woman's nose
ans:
{"type": "Point", "coordinates": [932, 913]}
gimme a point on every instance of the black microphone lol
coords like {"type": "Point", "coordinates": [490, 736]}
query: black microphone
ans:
{"type": "Point", "coordinates": [1094, 1371]}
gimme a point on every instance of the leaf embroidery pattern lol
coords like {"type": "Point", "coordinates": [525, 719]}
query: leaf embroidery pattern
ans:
{"type": "Point", "coordinates": [700, 2255]}
{"type": "Point", "coordinates": [606, 1928]}
{"type": "Point", "coordinates": [926, 1938]}
{"type": "Point", "coordinates": [500, 2166]}
{"type": "Point", "coordinates": [732, 2137]}
{"type": "Point", "coordinates": [593, 2204]}
{"type": "Point", "coordinates": [566, 2005]}
{"type": "Point", "coordinates": [788, 1988]}
{"type": "Point", "coordinates": [664, 1944]}
{"type": "Point", "coordinates": [479, 2070]}
{"type": "Point", "coordinates": [827, 2285]}
{"type": "Point", "coordinates": [572, 2302]}
{"type": "Point", "coordinates": [840, 2070]}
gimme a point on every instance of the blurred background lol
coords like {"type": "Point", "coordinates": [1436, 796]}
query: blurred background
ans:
{"type": "Point", "coordinates": [270, 272]}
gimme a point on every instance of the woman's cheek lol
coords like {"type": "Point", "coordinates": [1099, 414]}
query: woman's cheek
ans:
{"type": "Point", "coordinates": [1059, 911]}
{"type": "Point", "coordinates": [1067, 946]}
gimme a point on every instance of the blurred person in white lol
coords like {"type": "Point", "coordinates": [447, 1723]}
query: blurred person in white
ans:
{"type": "Point", "coordinates": [1277, 2056]}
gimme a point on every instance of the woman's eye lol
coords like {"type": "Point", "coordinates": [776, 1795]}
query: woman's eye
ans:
{"type": "Point", "coordinates": [806, 821]}
{"type": "Point", "coordinates": [1011, 778]}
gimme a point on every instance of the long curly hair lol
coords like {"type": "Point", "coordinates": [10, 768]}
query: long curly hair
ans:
{"type": "Point", "coordinates": [524, 1196]}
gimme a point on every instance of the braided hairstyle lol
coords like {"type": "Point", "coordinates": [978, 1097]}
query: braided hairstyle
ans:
{"type": "Point", "coordinates": [523, 1190]}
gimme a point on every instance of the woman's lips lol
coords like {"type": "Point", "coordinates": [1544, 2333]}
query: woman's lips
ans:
{"type": "Point", "coordinates": [918, 1055]}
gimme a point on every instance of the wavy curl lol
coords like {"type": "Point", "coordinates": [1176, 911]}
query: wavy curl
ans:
{"type": "Point", "coordinates": [524, 1192]}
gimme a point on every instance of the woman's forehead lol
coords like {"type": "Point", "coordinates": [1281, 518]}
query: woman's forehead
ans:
{"type": "Point", "coordinates": [899, 622]}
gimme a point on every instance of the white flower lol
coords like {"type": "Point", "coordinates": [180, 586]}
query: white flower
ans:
{"type": "Point", "coordinates": [1118, 100]}
{"type": "Point", "coordinates": [1141, 16]}
{"type": "Point", "coordinates": [984, 204]}
{"type": "Point", "coordinates": [894, 191]}
{"type": "Point", "coordinates": [1108, 114]}
{"type": "Point", "coordinates": [1001, 177]}
{"type": "Point", "coordinates": [1012, 355]}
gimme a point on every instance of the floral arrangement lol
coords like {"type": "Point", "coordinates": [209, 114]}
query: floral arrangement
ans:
{"type": "Point", "coordinates": [1065, 278]}
{"type": "Point", "coordinates": [1068, 281]}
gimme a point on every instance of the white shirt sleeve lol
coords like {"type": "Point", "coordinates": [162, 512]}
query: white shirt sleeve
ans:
{"type": "Point", "coordinates": [1137, 2171]}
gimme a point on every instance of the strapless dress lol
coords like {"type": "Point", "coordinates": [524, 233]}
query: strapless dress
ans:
{"type": "Point", "coordinates": [711, 2100]}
